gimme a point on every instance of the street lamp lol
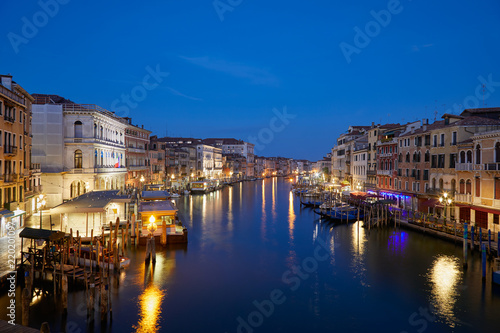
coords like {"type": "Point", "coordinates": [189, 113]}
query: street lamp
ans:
{"type": "Point", "coordinates": [152, 225]}
{"type": "Point", "coordinates": [446, 201]}
{"type": "Point", "coordinates": [142, 181]}
{"type": "Point", "coordinates": [39, 205]}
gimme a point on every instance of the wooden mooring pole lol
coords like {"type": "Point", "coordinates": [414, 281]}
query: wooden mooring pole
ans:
{"type": "Point", "coordinates": [465, 245]}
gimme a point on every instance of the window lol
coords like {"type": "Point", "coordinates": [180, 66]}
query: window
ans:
{"type": "Point", "coordinates": [495, 218]}
{"type": "Point", "coordinates": [441, 161]}
{"type": "Point", "coordinates": [453, 138]}
{"type": "Point", "coordinates": [400, 143]}
{"type": "Point", "coordinates": [453, 158]}
{"type": "Point", "coordinates": [1, 108]}
{"type": "Point", "coordinates": [434, 161]}
{"type": "Point", "coordinates": [462, 186]}
{"type": "Point", "coordinates": [406, 185]}
{"type": "Point", "coordinates": [468, 187]}
{"type": "Point", "coordinates": [78, 158]}
{"type": "Point", "coordinates": [441, 143]}
{"type": "Point", "coordinates": [428, 140]}
{"type": "Point", "coordinates": [20, 142]}
{"type": "Point", "coordinates": [469, 156]}
{"type": "Point", "coordinates": [78, 129]}
{"type": "Point", "coordinates": [462, 157]}
{"type": "Point", "coordinates": [478, 187]}
{"type": "Point", "coordinates": [21, 116]}
{"type": "Point", "coordinates": [426, 174]}
{"type": "Point", "coordinates": [497, 188]}
{"type": "Point", "coordinates": [478, 154]}
{"type": "Point", "coordinates": [497, 152]}
{"type": "Point", "coordinates": [427, 156]}
{"type": "Point", "coordinates": [435, 141]}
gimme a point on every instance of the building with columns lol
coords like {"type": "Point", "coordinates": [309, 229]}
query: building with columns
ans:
{"type": "Point", "coordinates": [80, 148]}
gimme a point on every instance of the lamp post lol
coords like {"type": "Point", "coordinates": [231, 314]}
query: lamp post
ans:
{"type": "Point", "coordinates": [446, 201]}
{"type": "Point", "coordinates": [142, 182]}
{"type": "Point", "coordinates": [152, 225]}
{"type": "Point", "coordinates": [39, 205]}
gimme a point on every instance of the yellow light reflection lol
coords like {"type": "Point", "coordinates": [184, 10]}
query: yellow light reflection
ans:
{"type": "Point", "coordinates": [274, 198]}
{"type": "Point", "coordinates": [358, 239]}
{"type": "Point", "coordinates": [150, 310]}
{"type": "Point", "coordinates": [263, 219]}
{"type": "Point", "coordinates": [230, 209]}
{"type": "Point", "coordinates": [444, 276]}
{"type": "Point", "coordinates": [291, 216]}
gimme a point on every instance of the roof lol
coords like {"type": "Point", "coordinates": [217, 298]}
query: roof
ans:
{"type": "Point", "coordinates": [155, 195]}
{"type": "Point", "coordinates": [224, 141]}
{"type": "Point", "coordinates": [91, 202]}
{"type": "Point", "coordinates": [158, 207]}
{"type": "Point", "coordinates": [32, 233]}
{"type": "Point", "coordinates": [481, 110]}
{"type": "Point", "coordinates": [475, 120]}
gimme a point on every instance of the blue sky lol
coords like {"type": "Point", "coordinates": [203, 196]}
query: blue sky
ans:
{"type": "Point", "coordinates": [226, 76]}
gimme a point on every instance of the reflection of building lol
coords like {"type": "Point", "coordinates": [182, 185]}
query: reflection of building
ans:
{"type": "Point", "coordinates": [15, 166]}
{"type": "Point", "coordinates": [80, 148]}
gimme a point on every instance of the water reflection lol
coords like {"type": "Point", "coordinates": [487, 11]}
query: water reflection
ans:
{"type": "Point", "coordinates": [230, 209]}
{"type": "Point", "coordinates": [397, 242]}
{"type": "Point", "coordinates": [358, 243]}
{"type": "Point", "coordinates": [263, 217]}
{"type": "Point", "coordinates": [274, 198]}
{"type": "Point", "coordinates": [291, 216]}
{"type": "Point", "coordinates": [150, 309]}
{"type": "Point", "coordinates": [444, 276]}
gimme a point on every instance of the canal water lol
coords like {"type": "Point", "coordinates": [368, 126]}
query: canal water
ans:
{"type": "Point", "coordinates": [258, 262]}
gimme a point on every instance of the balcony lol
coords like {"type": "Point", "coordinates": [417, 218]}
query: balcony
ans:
{"type": "Point", "coordinates": [371, 172]}
{"type": "Point", "coordinates": [492, 166]}
{"type": "Point", "coordinates": [94, 141]}
{"type": "Point", "coordinates": [438, 191]}
{"type": "Point", "coordinates": [469, 167]}
{"type": "Point", "coordinates": [35, 167]}
{"type": "Point", "coordinates": [9, 119]}
{"type": "Point", "coordinates": [11, 95]}
{"type": "Point", "coordinates": [97, 169]}
{"type": "Point", "coordinates": [463, 198]}
{"type": "Point", "coordinates": [137, 167]}
{"type": "Point", "coordinates": [10, 150]}
{"type": "Point", "coordinates": [385, 172]}
{"type": "Point", "coordinates": [9, 178]}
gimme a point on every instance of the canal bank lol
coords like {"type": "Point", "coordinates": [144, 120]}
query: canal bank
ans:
{"type": "Point", "coordinates": [252, 243]}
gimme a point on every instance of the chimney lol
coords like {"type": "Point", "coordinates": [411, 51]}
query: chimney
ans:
{"type": "Point", "coordinates": [7, 81]}
{"type": "Point", "coordinates": [142, 126]}
{"type": "Point", "coordinates": [373, 124]}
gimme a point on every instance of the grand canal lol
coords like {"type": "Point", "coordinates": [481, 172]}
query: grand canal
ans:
{"type": "Point", "coordinates": [258, 262]}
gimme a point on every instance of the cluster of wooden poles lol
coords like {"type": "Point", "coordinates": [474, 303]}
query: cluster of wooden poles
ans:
{"type": "Point", "coordinates": [103, 259]}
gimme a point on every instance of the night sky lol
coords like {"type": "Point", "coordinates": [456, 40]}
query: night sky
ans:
{"type": "Point", "coordinates": [289, 76]}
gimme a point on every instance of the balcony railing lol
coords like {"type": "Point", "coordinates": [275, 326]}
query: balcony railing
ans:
{"type": "Point", "coordinates": [371, 172]}
{"type": "Point", "coordinates": [9, 178]}
{"type": "Point", "coordinates": [9, 119]}
{"type": "Point", "coordinates": [10, 150]}
{"type": "Point", "coordinates": [36, 167]}
{"type": "Point", "coordinates": [11, 95]}
{"type": "Point", "coordinates": [463, 198]}
{"type": "Point", "coordinates": [97, 169]}
{"type": "Point", "coordinates": [492, 166]}
{"type": "Point", "coordinates": [94, 140]}
{"type": "Point", "coordinates": [468, 167]}
{"type": "Point", "coordinates": [385, 172]}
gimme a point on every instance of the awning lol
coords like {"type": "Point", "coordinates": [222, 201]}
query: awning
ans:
{"type": "Point", "coordinates": [432, 202]}
{"type": "Point", "coordinates": [45, 234]}
{"type": "Point", "coordinates": [486, 210]}
{"type": "Point", "coordinates": [6, 213]}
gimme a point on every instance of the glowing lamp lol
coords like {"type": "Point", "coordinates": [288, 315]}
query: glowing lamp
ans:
{"type": "Point", "coordinates": [152, 225]}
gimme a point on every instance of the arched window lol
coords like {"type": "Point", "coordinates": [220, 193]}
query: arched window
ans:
{"type": "Point", "coordinates": [390, 165]}
{"type": "Point", "coordinates": [427, 156]}
{"type": "Point", "coordinates": [462, 157]}
{"type": "Point", "coordinates": [462, 186]}
{"type": "Point", "coordinates": [441, 184]}
{"type": "Point", "coordinates": [95, 130]}
{"type": "Point", "coordinates": [78, 129]}
{"type": "Point", "coordinates": [78, 159]}
{"type": "Point", "coordinates": [95, 158]}
{"type": "Point", "coordinates": [453, 186]}
{"type": "Point", "coordinates": [407, 157]}
{"type": "Point", "coordinates": [478, 154]}
{"type": "Point", "coordinates": [102, 158]}
{"type": "Point", "coordinates": [469, 156]}
{"type": "Point", "coordinates": [433, 183]}
{"type": "Point", "coordinates": [497, 152]}
{"type": "Point", "coordinates": [468, 187]}
{"type": "Point", "coordinates": [400, 157]}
